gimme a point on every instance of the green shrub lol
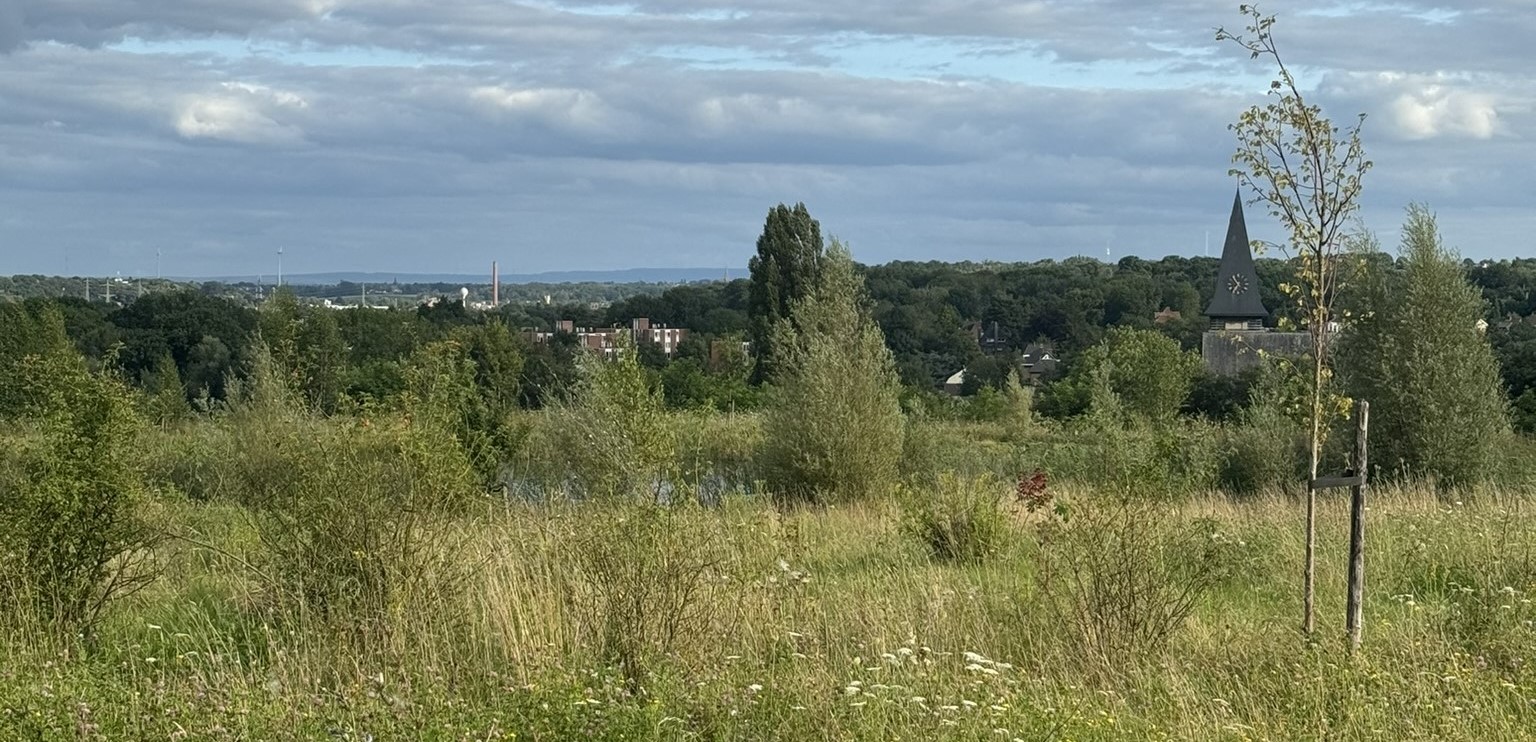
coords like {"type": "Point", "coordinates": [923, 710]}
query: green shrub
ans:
{"type": "Point", "coordinates": [1437, 400]}
{"type": "Point", "coordinates": [1265, 446]}
{"type": "Point", "coordinates": [960, 518]}
{"type": "Point", "coordinates": [1129, 457]}
{"type": "Point", "coordinates": [164, 399]}
{"type": "Point", "coordinates": [612, 438]}
{"type": "Point", "coordinates": [833, 427]}
{"type": "Point", "coordinates": [1145, 369]}
{"type": "Point", "coordinates": [1258, 458]}
{"type": "Point", "coordinates": [353, 514]}
{"type": "Point", "coordinates": [72, 538]}
{"type": "Point", "coordinates": [364, 532]}
{"type": "Point", "coordinates": [441, 387]}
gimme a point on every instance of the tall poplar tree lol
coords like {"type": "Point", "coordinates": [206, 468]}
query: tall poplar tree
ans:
{"type": "Point", "coordinates": [784, 271]}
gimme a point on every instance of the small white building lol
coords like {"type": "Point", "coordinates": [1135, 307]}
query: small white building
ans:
{"type": "Point", "coordinates": [955, 383]}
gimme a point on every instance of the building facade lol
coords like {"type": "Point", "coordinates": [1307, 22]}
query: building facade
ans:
{"type": "Point", "coordinates": [605, 340]}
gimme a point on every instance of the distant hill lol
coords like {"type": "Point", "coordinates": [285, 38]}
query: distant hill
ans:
{"type": "Point", "coordinates": [627, 275]}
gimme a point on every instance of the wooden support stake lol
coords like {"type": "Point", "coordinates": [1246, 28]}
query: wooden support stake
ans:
{"type": "Point", "coordinates": [1357, 528]}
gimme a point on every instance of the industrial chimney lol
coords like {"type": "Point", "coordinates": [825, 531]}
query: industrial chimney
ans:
{"type": "Point", "coordinates": [495, 286]}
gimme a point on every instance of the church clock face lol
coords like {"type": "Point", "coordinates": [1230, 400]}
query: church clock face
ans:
{"type": "Point", "coordinates": [1237, 284]}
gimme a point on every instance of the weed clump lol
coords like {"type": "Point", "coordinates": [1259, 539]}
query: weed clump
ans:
{"type": "Point", "coordinates": [959, 518]}
{"type": "Point", "coordinates": [642, 574]}
{"type": "Point", "coordinates": [1119, 581]}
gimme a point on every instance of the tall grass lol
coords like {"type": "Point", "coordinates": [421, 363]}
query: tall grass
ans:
{"type": "Point", "coordinates": [833, 623]}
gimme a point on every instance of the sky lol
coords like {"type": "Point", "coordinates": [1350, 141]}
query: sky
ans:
{"type": "Point", "coordinates": [198, 137]}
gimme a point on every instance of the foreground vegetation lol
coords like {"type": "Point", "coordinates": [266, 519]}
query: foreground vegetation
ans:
{"type": "Point", "coordinates": [631, 621]}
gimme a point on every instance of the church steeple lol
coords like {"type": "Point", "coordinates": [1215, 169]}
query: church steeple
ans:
{"type": "Point", "coordinates": [1236, 304]}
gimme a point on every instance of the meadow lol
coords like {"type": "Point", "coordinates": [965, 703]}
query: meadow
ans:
{"type": "Point", "coordinates": [965, 604]}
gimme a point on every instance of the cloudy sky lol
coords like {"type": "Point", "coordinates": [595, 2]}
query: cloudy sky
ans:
{"type": "Point", "coordinates": [435, 136]}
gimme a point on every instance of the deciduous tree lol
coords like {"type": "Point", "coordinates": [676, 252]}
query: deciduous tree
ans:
{"type": "Point", "coordinates": [1308, 173]}
{"type": "Point", "coordinates": [1437, 404]}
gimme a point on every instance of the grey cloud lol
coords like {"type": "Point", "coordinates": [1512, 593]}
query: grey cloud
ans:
{"type": "Point", "coordinates": [12, 33]}
{"type": "Point", "coordinates": [670, 115]}
{"type": "Point", "coordinates": [550, 139]}
{"type": "Point", "coordinates": [95, 22]}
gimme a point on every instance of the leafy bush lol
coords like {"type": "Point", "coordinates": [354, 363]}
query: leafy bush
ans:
{"type": "Point", "coordinates": [365, 534]}
{"type": "Point", "coordinates": [164, 399]}
{"type": "Point", "coordinates": [1129, 456]}
{"type": "Point", "coordinates": [441, 385]}
{"type": "Point", "coordinates": [1008, 407]}
{"type": "Point", "coordinates": [1145, 369]}
{"type": "Point", "coordinates": [960, 519]}
{"type": "Point", "coordinates": [1265, 445]}
{"type": "Point", "coordinates": [1259, 457]}
{"type": "Point", "coordinates": [352, 514]}
{"type": "Point", "coordinates": [611, 439]}
{"type": "Point", "coordinates": [833, 428]}
{"type": "Point", "coordinates": [71, 535]}
{"type": "Point", "coordinates": [1433, 382]}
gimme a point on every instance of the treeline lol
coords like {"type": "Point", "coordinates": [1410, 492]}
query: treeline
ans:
{"type": "Point", "coordinates": [937, 318]}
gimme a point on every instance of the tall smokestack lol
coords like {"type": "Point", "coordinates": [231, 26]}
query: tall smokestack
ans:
{"type": "Point", "coordinates": [495, 285]}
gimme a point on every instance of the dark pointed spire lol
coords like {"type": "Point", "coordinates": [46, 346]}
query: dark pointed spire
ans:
{"type": "Point", "coordinates": [1237, 285]}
